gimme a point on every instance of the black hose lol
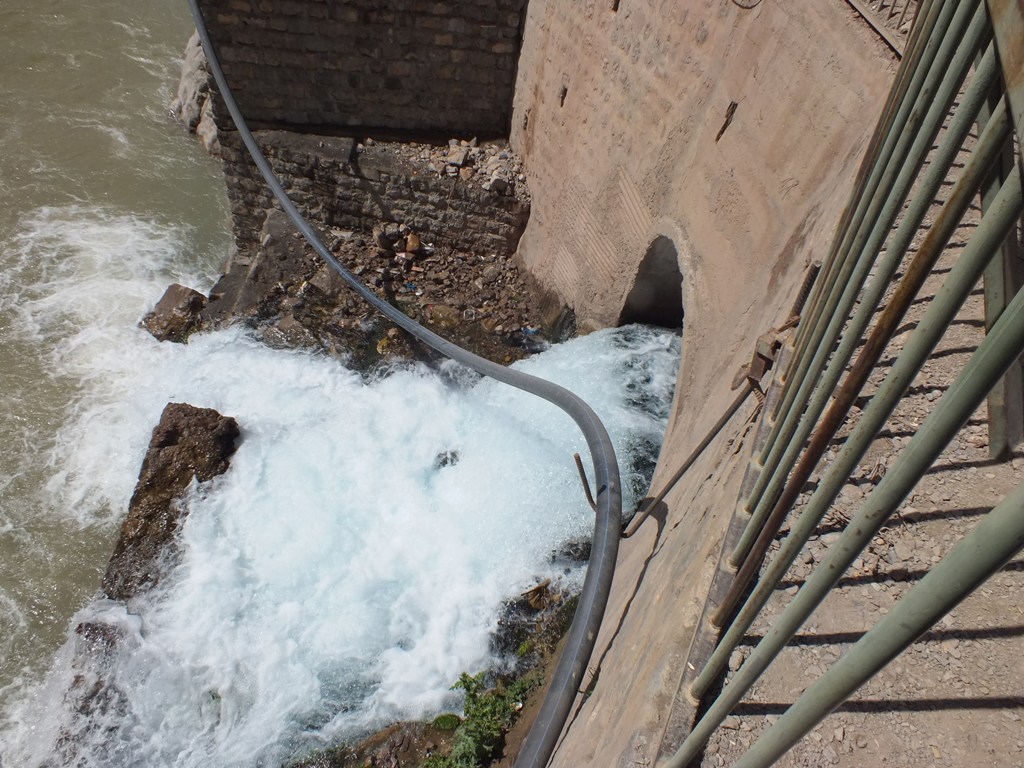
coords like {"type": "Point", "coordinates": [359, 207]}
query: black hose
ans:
{"type": "Point", "coordinates": [568, 675]}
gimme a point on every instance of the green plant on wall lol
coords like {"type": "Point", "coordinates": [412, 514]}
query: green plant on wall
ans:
{"type": "Point", "coordinates": [488, 716]}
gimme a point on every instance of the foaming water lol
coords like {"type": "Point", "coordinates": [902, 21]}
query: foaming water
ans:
{"type": "Point", "coordinates": [338, 576]}
{"type": "Point", "coordinates": [77, 281]}
{"type": "Point", "coordinates": [352, 562]}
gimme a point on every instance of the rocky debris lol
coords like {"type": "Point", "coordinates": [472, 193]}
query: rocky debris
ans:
{"type": "Point", "coordinates": [176, 315]}
{"type": "Point", "coordinates": [292, 299]}
{"type": "Point", "coordinates": [188, 445]}
{"type": "Point", "coordinates": [403, 745]}
{"type": "Point", "coordinates": [489, 165]}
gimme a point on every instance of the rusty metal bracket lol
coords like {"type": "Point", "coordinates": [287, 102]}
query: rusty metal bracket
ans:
{"type": "Point", "coordinates": [766, 348]}
{"type": "Point", "coordinates": [586, 483]}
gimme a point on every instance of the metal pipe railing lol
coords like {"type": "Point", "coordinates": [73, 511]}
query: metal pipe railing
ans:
{"type": "Point", "coordinates": [936, 51]}
{"type": "Point", "coordinates": [994, 355]}
{"type": "Point", "coordinates": [877, 209]}
{"type": "Point", "coordinates": [826, 274]}
{"type": "Point", "coordinates": [896, 249]}
{"type": "Point", "coordinates": [872, 244]}
{"type": "Point", "coordinates": [824, 385]}
{"type": "Point", "coordinates": [921, 51]}
{"type": "Point", "coordinates": [997, 538]}
{"type": "Point", "coordinates": [943, 308]}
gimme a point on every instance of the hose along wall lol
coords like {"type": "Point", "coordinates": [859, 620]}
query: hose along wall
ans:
{"type": "Point", "coordinates": [568, 675]}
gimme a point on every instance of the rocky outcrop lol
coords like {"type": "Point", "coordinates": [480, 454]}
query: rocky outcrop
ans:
{"type": "Point", "coordinates": [189, 444]}
{"type": "Point", "coordinates": [193, 106]}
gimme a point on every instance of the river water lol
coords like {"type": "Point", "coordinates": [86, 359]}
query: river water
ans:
{"type": "Point", "coordinates": [340, 575]}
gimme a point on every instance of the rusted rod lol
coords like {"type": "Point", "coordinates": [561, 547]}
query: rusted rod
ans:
{"type": "Point", "coordinates": [585, 482]}
{"type": "Point", "coordinates": [650, 506]}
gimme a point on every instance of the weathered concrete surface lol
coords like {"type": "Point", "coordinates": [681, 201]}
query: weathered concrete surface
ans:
{"type": "Point", "coordinates": [625, 126]}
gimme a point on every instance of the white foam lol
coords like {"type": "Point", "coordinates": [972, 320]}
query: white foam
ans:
{"type": "Point", "coordinates": [79, 279]}
{"type": "Point", "coordinates": [336, 578]}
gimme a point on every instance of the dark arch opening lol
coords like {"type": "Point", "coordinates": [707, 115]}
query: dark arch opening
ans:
{"type": "Point", "coordinates": [657, 294]}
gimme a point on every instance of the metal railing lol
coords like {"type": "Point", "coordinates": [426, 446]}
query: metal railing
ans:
{"type": "Point", "coordinates": [964, 67]}
{"type": "Point", "coordinates": [889, 18]}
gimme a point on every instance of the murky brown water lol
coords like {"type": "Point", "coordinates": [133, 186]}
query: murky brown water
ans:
{"type": "Point", "coordinates": [104, 201]}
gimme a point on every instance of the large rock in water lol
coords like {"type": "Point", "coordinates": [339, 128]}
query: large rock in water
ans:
{"type": "Point", "coordinates": [176, 315]}
{"type": "Point", "coordinates": [188, 443]}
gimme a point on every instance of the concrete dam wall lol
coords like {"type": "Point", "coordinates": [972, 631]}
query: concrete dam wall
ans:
{"type": "Point", "coordinates": [684, 160]}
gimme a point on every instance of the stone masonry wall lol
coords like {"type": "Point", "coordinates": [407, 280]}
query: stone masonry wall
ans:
{"type": "Point", "coordinates": [338, 186]}
{"type": "Point", "coordinates": [444, 66]}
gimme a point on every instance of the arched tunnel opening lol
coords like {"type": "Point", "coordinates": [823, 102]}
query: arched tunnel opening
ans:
{"type": "Point", "coordinates": [656, 297]}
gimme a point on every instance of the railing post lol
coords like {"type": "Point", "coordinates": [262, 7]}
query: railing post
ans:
{"type": "Point", "coordinates": [1002, 280]}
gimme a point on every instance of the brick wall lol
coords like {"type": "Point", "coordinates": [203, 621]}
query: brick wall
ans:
{"type": "Point", "coordinates": [416, 65]}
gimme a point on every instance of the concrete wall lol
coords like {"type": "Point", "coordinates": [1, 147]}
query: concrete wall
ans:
{"type": "Point", "coordinates": [417, 65]}
{"type": "Point", "coordinates": [625, 122]}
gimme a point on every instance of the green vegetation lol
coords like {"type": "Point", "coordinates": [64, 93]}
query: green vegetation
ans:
{"type": "Point", "coordinates": [447, 722]}
{"type": "Point", "coordinates": [488, 716]}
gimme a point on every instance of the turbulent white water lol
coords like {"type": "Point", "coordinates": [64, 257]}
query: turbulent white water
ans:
{"type": "Point", "coordinates": [338, 576]}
